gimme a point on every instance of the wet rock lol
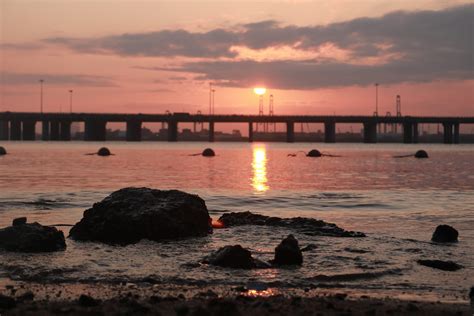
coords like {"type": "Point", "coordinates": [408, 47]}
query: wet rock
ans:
{"type": "Point", "coordinates": [421, 154]}
{"type": "Point", "coordinates": [441, 265]}
{"type": "Point", "coordinates": [303, 225]}
{"type": "Point", "coordinates": [131, 214]}
{"type": "Point", "coordinates": [87, 301]}
{"type": "Point", "coordinates": [309, 247]}
{"type": "Point", "coordinates": [314, 153]}
{"type": "Point", "coordinates": [471, 294]}
{"type": "Point", "coordinates": [7, 302]}
{"type": "Point", "coordinates": [27, 296]}
{"type": "Point", "coordinates": [288, 252]}
{"type": "Point", "coordinates": [208, 152]}
{"type": "Point", "coordinates": [445, 233]}
{"type": "Point", "coordinates": [3, 151]}
{"type": "Point", "coordinates": [103, 151]}
{"type": "Point", "coordinates": [32, 237]}
{"type": "Point", "coordinates": [231, 257]}
{"type": "Point", "coordinates": [19, 221]}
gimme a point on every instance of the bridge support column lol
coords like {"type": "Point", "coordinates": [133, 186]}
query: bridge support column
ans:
{"type": "Point", "coordinates": [407, 133]}
{"type": "Point", "coordinates": [29, 130]}
{"type": "Point", "coordinates": [370, 132]}
{"type": "Point", "coordinates": [172, 131]}
{"type": "Point", "coordinates": [415, 133]}
{"type": "Point", "coordinates": [95, 130]}
{"type": "Point", "coordinates": [65, 130]}
{"type": "Point", "coordinates": [329, 132]}
{"type": "Point", "coordinates": [448, 133]}
{"type": "Point", "coordinates": [290, 132]}
{"type": "Point", "coordinates": [55, 130]}
{"type": "Point", "coordinates": [456, 133]}
{"type": "Point", "coordinates": [45, 135]}
{"type": "Point", "coordinates": [134, 131]}
{"type": "Point", "coordinates": [211, 132]}
{"type": "Point", "coordinates": [4, 130]}
{"type": "Point", "coordinates": [250, 132]}
{"type": "Point", "coordinates": [15, 130]}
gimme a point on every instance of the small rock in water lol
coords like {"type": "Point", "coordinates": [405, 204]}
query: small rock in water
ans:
{"type": "Point", "coordinates": [314, 153]}
{"type": "Point", "coordinates": [87, 301]}
{"type": "Point", "coordinates": [104, 151]}
{"type": "Point", "coordinates": [441, 265]}
{"type": "Point", "coordinates": [445, 233]}
{"type": "Point", "coordinates": [19, 221]}
{"type": "Point", "coordinates": [288, 252]}
{"type": "Point", "coordinates": [208, 152]}
{"type": "Point", "coordinates": [231, 257]}
{"type": "Point", "coordinates": [7, 302]}
{"type": "Point", "coordinates": [471, 294]}
{"type": "Point", "coordinates": [3, 151]}
{"type": "Point", "coordinates": [421, 154]}
{"type": "Point", "coordinates": [32, 237]}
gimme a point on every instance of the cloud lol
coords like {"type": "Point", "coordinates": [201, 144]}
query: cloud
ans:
{"type": "Point", "coordinates": [12, 78]}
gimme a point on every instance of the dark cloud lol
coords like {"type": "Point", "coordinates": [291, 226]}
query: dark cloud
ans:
{"type": "Point", "coordinates": [11, 78]}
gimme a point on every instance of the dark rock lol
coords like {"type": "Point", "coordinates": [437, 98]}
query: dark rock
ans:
{"type": "Point", "coordinates": [421, 154]}
{"type": "Point", "coordinates": [288, 252]}
{"type": "Point", "coordinates": [309, 247]}
{"type": "Point", "coordinates": [104, 151]}
{"type": "Point", "coordinates": [208, 152]}
{"type": "Point", "coordinates": [3, 151]}
{"type": "Point", "coordinates": [231, 257]}
{"type": "Point", "coordinates": [307, 226]}
{"type": "Point", "coordinates": [131, 214]}
{"type": "Point", "coordinates": [445, 233]}
{"type": "Point", "coordinates": [314, 153]}
{"type": "Point", "coordinates": [87, 301]}
{"type": "Point", "coordinates": [441, 265]}
{"type": "Point", "coordinates": [471, 294]}
{"type": "Point", "coordinates": [7, 302]}
{"type": "Point", "coordinates": [19, 221]}
{"type": "Point", "coordinates": [27, 296]}
{"type": "Point", "coordinates": [32, 237]}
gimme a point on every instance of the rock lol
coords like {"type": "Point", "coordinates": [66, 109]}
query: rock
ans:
{"type": "Point", "coordinates": [441, 265]}
{"type": "Point", "coordinates": [87, 301]}
{"type": "Point", "coordinates": [3, 151]}
{"type": "Point", "coordinates": [104, 151]}
{"type": "Point", "coordinates": [303, 225]}
{"type": "Point", "coordinates": [314, 153]}
{"type": "Point", "coordinates": [131, 214]}
{"type": "Point", "coordinates": [445, 233]}
{"type": "Point", "coordinates": [471, 294]}
{"type": "Point", "coordinates": [421, 154]}
{"type": "Point", "coordinates": [208, 152]}
{"type": "Point", "coordinates": [288, 252]}
{"type": "Point", "coordinates": [19, 221]}
{"type": "Point", "coordinates": [7, 302]}
{"type": "Point", "coordinates": [32, 237]}
{"type": "Point", "coordinates": [231, 257]}
{"type": "Point", "coordinates": [309, 247]}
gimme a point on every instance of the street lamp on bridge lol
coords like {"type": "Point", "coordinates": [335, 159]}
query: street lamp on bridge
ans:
{"type": "Point", "coordinates": [70, 100]}
{"type": "Point", "coordinates": [41, 95]}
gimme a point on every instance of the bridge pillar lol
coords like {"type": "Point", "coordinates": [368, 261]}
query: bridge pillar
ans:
{"type": "Point", "coordinates": [448, 133]}
{"type": "Point", "coordinates": [290, 132]}
{"type": "Point", "coordinates": [407, 133]}
{"type": "Point", "coordinates": [55, 129]}
{"type": "Point", "coordinates": [251, 132]}
{"type": "Point", "coordinates": [370, 132]}
{"type": "Point", "coordinates": [211, 132]}
{"type": "Point", "coordinates": [15, 130]}
{"type": "Point", "coordinates": [329, 132]}
{"type": "Point", "coordinates": [172, 131]}
{"type": "Point", "coordinates": [4, 130]}
{"type": "Point", "coordinates": [415, 133]}
{"type": "Point", "coordinates": [29, 130]}
{"type": "Point", "coordinates": [45, 135]}
{"type": "Point", "coordinates": [95, 130]}
{"type": "Point", "coordinates": [456, 133]}
{"type": "Point", "coordinates": [134, 131]}
{"type": "Point", "coordinates": [65, 130]}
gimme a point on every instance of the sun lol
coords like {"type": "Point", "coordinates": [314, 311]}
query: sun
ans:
{"type": "Point", "coordinates": [259, 90]}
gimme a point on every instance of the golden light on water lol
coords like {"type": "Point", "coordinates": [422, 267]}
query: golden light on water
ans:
{"type": "Point", "coordinates": [259, 167]}
{"type": "Point", "coordinates": [259, 90]}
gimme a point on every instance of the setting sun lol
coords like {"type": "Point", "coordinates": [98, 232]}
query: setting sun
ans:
{"type": "Point", "coordinates": [259, 90]}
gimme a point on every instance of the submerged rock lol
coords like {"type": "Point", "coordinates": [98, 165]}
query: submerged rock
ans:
{"type": "Point", "coordinates": [131, 214]}
{"type": "Point", "coordinates": [307, 226]}
{"type": "Point", "coordinates": [441, 265]}
{"type": "Point", "coordinates": [34, 237]}
{"type": "Point", "coordinates": [314, 153]}
{"type": "Point", "coordinates": [235, 257]}
{"type": "Point", "coordinates": [88, 301]}
{"type": "Point", "coordinates": [103, 151]}
{"type": "Point", "coordinates": [3, 151]}
{"type": "Point", "coordinates": [208, 152]}
{"type": "Point", "coordinates": [7, 302]}
{"type": "Point", "coordinates": [421, 154]}
{"type": "Point", "coordinates": [445, 233]}
{"type": "Point", "coordinates": [288, 252]}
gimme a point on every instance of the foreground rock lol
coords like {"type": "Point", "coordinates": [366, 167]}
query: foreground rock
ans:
{"type": "Point", "coordinates": [232, 257]}
{"type": "Point", "coordinates": [104, 152]}
{"type": "Point", "coordinates": [34, 237]}
{"type": "Point", "coordinates": [208, 152]}
{"type": "Point", "coordinates": [288, 252]}
{"type": "Point", "coordinates": [441, 265]}
{"type": "Point", "coordinates": [445, 233]}
{"type": "Point", "coordinates": [314, 153]}
{"type": "Point", "coordinates": [307, 226]}
{"type": "Point", "coordinates": [421, 154]}
{"type": "Point", "coordinates": [131, 214]}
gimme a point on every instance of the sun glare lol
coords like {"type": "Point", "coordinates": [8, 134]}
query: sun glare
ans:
{"type": "Point", "coordinates": [259, 90]}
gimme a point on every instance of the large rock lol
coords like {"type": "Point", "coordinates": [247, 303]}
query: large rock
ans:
{"type": "Point", "coordinates": [288, 252]}
{"type": "Point", "coordinates": [441, 265]}
{"type": "Point", "coordinates": [232, 257]}
{"type": "Point", "coordinates": [34, 237]}
{"type": "Point", "coordinates": [445, 233]}
{"type": "Point", "coordinates": [307, 226]}
{"type": "Point", "coordinates": [131, 214]}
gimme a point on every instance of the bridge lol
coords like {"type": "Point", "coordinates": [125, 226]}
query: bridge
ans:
{"type": "Point", "coordinates": [57, 126]}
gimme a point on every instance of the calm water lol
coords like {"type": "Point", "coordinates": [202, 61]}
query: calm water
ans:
{"type": "Point", "coordinates": [397, 202]}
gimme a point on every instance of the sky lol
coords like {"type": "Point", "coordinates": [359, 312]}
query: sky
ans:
{"type": "Point", "coordinates": [314, 57]}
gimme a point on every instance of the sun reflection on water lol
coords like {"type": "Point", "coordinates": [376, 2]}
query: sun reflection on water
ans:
{"type": "Point", "coordinates": [259, 167]}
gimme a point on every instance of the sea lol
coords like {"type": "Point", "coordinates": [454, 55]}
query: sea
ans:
{"type": "Point", "coordinates": [397, 202]}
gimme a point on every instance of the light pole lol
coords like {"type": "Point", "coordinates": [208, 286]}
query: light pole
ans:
{"type": "Point", "coordinates": [41, 95]}
{"type": "Point", "coordinates": [70, 101]}
{"type": "Point", "coordinates": [210, 98]}
{"type": "Point", "coordinates": [376, 100]}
